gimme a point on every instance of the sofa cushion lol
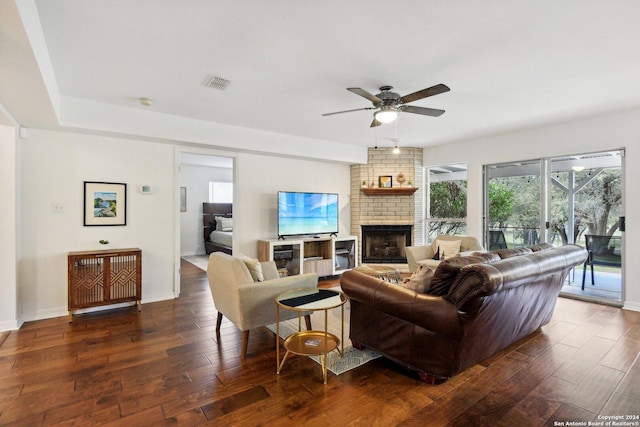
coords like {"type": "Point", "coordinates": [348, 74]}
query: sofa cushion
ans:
{"type": "Point", "coordinates": [448, 248]}
{"type": "Point", "coordinates": [508, 253]}
{"type": "Point", "coordinates": [488, 257]}
{"type": "Point", "coordinates": [541, 247]}
{"type": "Point", "coordinates": [420, 280]}
{"type": "Point", "coordinates": [254, 267]}
{"type": "Point", "coordinates": [447, 271]}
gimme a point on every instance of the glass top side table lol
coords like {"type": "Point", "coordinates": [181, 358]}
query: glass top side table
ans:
{"type": "Point", "coordinates": [314, 342]}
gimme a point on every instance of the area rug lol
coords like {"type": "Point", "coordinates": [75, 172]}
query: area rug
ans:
{"type": "Point", "coordinates": [336, 364]}
{"type": "Point", "coordinates": [200, 261]}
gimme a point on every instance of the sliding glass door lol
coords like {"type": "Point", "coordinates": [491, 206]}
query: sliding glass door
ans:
{"type": "Point", "coordinates": [586, 208]}
{"type": "Point", "coordinates": [570, 199]}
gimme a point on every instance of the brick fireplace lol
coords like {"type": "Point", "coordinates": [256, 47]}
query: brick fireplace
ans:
{"type": "Point", "coordinates": [388, 209]}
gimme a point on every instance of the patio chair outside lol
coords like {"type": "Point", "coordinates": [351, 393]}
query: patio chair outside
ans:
{"type": "Point", "coordinates": [602, 250]}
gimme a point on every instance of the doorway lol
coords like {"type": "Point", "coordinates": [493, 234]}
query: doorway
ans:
{"type": "Point", "coordinates": [199, 174]}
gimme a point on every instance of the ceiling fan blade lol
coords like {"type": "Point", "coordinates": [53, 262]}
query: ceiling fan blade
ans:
{"type": "Point", "coordinates": [348, 111]}
{"type": "Point", "coordinates": [433, 112]}
{"type": "Point", "coordinates": [363, 93]}
{"type": "Point", "coordinates": [375, 122]}
{"type": "Point", "coordinates": [424, 93]}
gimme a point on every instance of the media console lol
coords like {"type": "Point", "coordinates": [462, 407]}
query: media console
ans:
{"type": "Point", "coordinates": [327, 256]}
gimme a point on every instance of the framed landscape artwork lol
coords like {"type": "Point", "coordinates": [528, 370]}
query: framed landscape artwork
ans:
{"type": "Point", "coordinates": [105, 203]}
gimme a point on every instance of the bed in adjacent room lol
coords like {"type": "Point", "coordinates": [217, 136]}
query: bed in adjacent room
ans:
{"type": "Point", "coordinates": [217, 219]}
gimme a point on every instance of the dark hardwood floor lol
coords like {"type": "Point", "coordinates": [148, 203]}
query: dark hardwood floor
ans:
{"type": "Point", "coordinates": [164, 366]}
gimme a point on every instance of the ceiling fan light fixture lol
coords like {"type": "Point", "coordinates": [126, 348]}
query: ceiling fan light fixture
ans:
{"type": "Point", "coordinates": [386, 115]}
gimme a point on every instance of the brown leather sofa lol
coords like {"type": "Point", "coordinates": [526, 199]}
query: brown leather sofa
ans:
{"type": "Point", "coordinates": [491, 302]}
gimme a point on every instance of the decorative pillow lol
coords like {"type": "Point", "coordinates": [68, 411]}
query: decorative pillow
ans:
{"type": "Point", "coordinates": [420, 280]}
{"type": "Point", "coordinates": [447, 272]}
{"type": "Point", "coordinates": [226, 224]}
{"type": "Point", "coordinates": [448, 248]}
{"type": "Point", "coordinates": [223, 223]}
{"type": "Point", "coordinates": [254, 266]}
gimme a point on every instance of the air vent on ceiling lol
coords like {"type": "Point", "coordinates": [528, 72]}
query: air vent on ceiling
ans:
{"type": "Point", "coordinates": [216, 82]}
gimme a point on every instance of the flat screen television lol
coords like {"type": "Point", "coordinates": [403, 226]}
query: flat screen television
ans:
{"type": "Point", "coordinates": [307, 213]}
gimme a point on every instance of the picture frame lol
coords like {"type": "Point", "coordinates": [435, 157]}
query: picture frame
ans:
{"type": "Point", "coordinates": [105, 203]}
{"type": "Point", "coordinates": [385, 181]}
{"type": "Point", "coordinates": [183, 199]}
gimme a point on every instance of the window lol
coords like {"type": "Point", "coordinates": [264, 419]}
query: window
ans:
{"type": "Point", "coordinates": [221, 192]}
{"type": "Point", "coordinates": [447, 207]}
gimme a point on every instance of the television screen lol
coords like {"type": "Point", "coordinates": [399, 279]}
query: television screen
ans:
{"type": "Point", "coordinates": [307, 213]}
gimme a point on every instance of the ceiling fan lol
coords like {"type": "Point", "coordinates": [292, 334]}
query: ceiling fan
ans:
{"type": "Point", "coordinates": [389, 104]}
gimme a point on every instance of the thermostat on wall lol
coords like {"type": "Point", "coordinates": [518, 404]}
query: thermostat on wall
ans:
{"type": "Point", "coordinates": [145, 189]}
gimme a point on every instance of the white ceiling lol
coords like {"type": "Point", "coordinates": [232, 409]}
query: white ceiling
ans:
{"type": "Point", "coordinates": [509, 63]}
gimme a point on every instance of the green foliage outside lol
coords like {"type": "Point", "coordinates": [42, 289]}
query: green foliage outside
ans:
{"type": "Point", "coordinates": [501, 200]}
{"type": "Point", "coordinates": [448, 200]}
{"type": "Point", "coordinates": [597, 204]}
{"type": "Point", "coordinates": [514, 203]}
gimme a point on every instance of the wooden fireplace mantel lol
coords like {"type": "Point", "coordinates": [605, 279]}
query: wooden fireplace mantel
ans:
{"type": "Point", "coordinates": [397, 191]}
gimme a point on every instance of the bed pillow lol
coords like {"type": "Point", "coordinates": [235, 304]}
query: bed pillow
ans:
{"type": "Point", "coordinates": [254, 267]}
{"type": "Point", "coordinates": [448, 248]}
{"type": "Point", "coordinates": [223, 223]}
{"type": "Point", "coordinates": [420, 280]}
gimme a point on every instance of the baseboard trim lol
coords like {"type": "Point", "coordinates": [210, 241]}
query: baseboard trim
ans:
{"type": "Point", "coordinates": [630, 305]}
{"type": "Point", "coordinates": [10, 325]}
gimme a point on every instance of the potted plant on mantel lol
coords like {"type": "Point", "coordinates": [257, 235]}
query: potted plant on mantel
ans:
{"type": "Point", "coordinates": [104, 244]}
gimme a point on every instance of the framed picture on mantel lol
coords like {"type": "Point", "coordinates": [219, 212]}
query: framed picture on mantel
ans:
{"type": "Point", "coordinates": [105, 203]}
{"type": "Point", "coordinates": [384, 181]}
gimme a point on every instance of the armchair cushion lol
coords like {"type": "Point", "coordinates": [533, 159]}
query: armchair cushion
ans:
{"type": "Point", "coordinates": [269, 270]}
{"type": "Point", "coordinates": [254, 267]}
{"type": "Point", "coordinates": [448, 248]}
{"type": "Point", "coordinates": [467, 243]}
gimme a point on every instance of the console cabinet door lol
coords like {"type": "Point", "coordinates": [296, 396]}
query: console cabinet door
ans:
{"type": "Point", "coordinates": [104, 277]}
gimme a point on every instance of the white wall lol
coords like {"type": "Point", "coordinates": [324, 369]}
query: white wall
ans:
{"type": "Point", "coordinates": [54, 166]}
{"type": "Point", "coordinates": [592, 134]}
{"type": "Point", "coordinates": [8, 175]}
{"type": "Point", "coordinates": [196, 179]}
{"type": "Point", "coordinates": [259, 178]}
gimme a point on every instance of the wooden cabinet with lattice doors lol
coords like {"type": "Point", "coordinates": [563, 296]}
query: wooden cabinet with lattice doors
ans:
{"type": "Point", "coordinates": [104, 277]}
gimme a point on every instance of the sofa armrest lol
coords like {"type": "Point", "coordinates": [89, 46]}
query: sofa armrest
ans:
{"type": "Point", "coordinates": [427, 311]}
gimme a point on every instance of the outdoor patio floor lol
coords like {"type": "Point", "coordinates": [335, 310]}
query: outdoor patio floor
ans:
{"type": "Point", "coordinates": [607, 286]}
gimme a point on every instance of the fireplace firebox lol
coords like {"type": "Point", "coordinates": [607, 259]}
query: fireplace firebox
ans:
{"type": "Point", "coordinates": [385, 243]}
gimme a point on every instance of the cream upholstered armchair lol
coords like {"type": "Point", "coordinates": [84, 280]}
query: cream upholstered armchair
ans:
{"type": "Point", "coordinates": [244, 291]}
{"type": "Point", "coordinates": [423, 255]}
